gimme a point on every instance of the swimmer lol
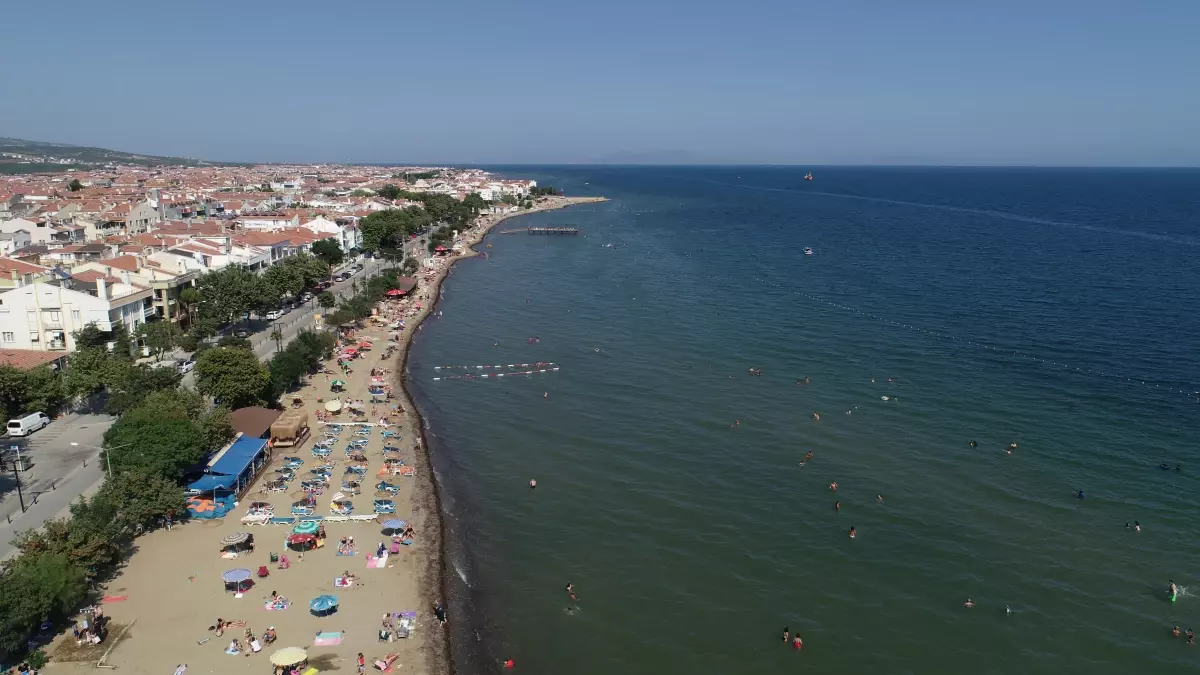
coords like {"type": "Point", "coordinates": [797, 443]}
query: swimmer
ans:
{"type": "Point", "coordinates": [1174, 592]}
{"type": "Point", "coordinates": [837, 506]}
{"type": "Point", "coordinates": [973, 444]}
{"type": "Point", "coordinates": [853, 533]}
{"type": "Point", "coordinates": [495, 344]}
{"type": "Point", "coordinates": [1080, 494]}
{"type": "Point", "coordinates": [1175, 632]}
{"type": "Point", "coordinates": [571, 591]}
{"type": "Point", "coordinates": [787, 634]}
{"type": "Point", "coordinates": [797, 643]}
{"type": "Point", "coordinates": [816, 417]}
{"type": "Point", "coordinates": [806, 380]}
{"type": "Point", "coordinates": [1007, 610]}
{"type": "Point", "coordinates": [736, 424]}
{"type": "Point", "coordinates": [532, 484]}
{"type": "Point", "coordinates": [808, 456]}
{"type": "Point", "coordinates": [969, 603]}
{"type": "Point", "coordinates": [1137, 527]}
{"type": "Point", "coordinates": [545, 394]}
{"type": "Point", "coordinates": [878, 499]}
{"type": "Point", "coordinates": [1178, 468]}
{"type": "Point", "coordinates": [597, 350]}
{"type": "Point", "coordinates": [1191, 637]}
{"type": "Point", "coordinates": [849, 411]}
{"type": "Point", "coordinates": [833, 486]}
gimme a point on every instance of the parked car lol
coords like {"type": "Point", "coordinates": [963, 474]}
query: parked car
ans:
{"type": "Point", "coordinates": [241, 333]}
{"type": "Point", "coordinates": [185, 365]}
{"type": "Point", "coordinates": [274, 314]}
{"type": "Point", "coordinates": [23, 426]}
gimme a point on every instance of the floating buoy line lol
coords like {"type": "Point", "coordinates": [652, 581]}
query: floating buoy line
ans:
{"type": "Point", "coordinates": [534, 369]}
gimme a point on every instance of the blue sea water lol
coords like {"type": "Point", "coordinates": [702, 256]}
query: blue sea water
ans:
{"type": "Point", "coordinates": [1055, 308]}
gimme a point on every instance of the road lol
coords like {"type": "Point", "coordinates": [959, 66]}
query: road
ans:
{"type": "Point", "coordinates": [60, 472]}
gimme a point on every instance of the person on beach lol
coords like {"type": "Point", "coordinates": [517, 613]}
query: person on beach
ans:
{"type": "Point", "coordinates": [362, 663]}
{"type": "Point", "coordinates": [440, 612]}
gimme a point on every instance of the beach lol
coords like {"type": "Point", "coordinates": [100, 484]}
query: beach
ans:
{"type": "Point", "coordinates": [163, 602]}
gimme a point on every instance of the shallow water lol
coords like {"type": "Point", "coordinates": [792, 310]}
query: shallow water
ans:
{"type": "Point", "coordinates": [1055, 308]}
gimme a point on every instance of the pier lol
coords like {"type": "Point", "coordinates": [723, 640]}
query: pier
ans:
{"type": "Point", "coordinates": [544, 230]}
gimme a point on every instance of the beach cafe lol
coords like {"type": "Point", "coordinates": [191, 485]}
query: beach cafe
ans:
{"type": "Point", "coordinates": [229, 474]}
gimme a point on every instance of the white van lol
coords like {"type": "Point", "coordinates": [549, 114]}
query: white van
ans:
{"type": "Point", "coordinates": [23, 426]}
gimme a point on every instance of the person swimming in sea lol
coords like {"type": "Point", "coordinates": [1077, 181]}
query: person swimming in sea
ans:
{"type": "Point", "coordinates": [571, 591]}
{"type": "Point", "coordinates": [878, 499]}
{"type": "Point", "coordinates": [1080, 494]}
{"type": "Point", "coordinates": [735, 424]}
{"type": "Point", "coordinates": [1174, 590]}
{"type": "Point", "coordinates": [787, 634]}
{"type": "Point", "coordinates": [833, 486]}
{"type": "Point", "coordinates": [797, 643]}
{"type": "Point", "coordinates": [808, 456]}
{"type": "Point", "coordinates": [1137, 527]}
{"type": "Point", "coordinates": [969, 603]}
{"type": "Point", "coordinates": [973, 444]}
{"type": "Point", "coordinates": [853, 532]}
{"type": "Point", "coordinates": [816, 416]}
{"type": "Point", "coordinates": [1175, 632]}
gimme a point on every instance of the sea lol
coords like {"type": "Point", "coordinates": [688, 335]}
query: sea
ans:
{"type": "Point", "coordinates": [943, 315]}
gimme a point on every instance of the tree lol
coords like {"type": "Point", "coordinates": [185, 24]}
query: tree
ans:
{"type": "Point", "coordinates": [25, 391]}
{"type": "Point", "coordinates": [89, 370]}
{"type": "Point", "coordinates": [233, 376]}
{"type": "Point", "coordinates": [91, 336]}
{"type": "Point", "coordinates": [74, 185]}
{"type": "Point", "coordinates": [216, 427]}
{"type": "Point", "coordinates": [229, 293]}
{"type": "Point", "coordinates": [143, 498]}
{"type": "Point", "coordinates": [389, 191]}
{"type": "Point", "coordinates": [329, 252]}
{"type": "Point", "coordinates": [132, 384]}
{"type": "Point", "coordinates": [409, 266]}
{"type": "Point", "coordinates": [361, 193]}
{"type": "Point", "coordinates": [46, 586]}
{"type": "Point", "coordinates": [190, 297]}
{"type": "Point", "coordinates": [508, 199]}
{"type": "Point", "coordinates": [326, 299]}
{"type": "Point", "coordinates": [149, 441]}
{"type": "Point", "coordinates": [159, 336]}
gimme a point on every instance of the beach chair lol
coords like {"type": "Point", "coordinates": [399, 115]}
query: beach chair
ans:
{"type": "Point", "coordinates": [384, 506]}
{"type": "Point", "coordinates": [292, 462]}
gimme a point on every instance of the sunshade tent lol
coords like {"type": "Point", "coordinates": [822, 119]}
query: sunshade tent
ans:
{"type": "Point", "coordinates": [235, 539]}
{"type": "Point", "coordinates": [323, 604]}
{"type": "Point", "coordinates": [289, 656]}
{"type": "Point", "coordinates": [306, 527]}
{"type": "Point", "coordinates": [333, 406]}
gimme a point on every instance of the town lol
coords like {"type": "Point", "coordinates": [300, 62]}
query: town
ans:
{"type": "Point", "coordinates": [164, 330]}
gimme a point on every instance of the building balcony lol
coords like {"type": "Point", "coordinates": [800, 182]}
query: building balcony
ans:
{"type": "Point", "coordinates": [56, 345]}
{"type": "Point", "coordinates": [52, 324]}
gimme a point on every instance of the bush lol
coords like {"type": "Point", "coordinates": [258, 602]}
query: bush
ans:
{"type": "Point", "coordinates": [189, 343]}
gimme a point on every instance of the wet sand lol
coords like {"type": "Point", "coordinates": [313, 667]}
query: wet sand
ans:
{"type": "Point", "coordinates": [172, 584]}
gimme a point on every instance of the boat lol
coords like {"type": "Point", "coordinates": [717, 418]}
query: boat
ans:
{"type": "Point", "coordinates": [807, 250]}
{"type": "Point", "coordinates": [808, 176]}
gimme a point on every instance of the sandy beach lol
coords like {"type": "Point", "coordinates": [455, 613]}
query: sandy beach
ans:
{"type": "Point", "coordinates": [163, 602]}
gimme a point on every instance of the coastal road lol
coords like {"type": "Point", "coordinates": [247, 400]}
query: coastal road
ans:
{"type": "Point", "coordinates": [60, 472]}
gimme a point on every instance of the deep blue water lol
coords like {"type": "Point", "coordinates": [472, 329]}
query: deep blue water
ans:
{"type": "Point", "coordinates": [1058, 309]}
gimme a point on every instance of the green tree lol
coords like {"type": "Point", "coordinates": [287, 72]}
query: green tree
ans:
{"type": "Point", "coordinates": [91, 336]}
{"type": "Point", "coordinates": [360, 193]}
{"type": "Point", "coordinates": [159, 336]}
{"type": "Point", "coordinates": [408, 267]}
{"type": "Point", "coordinates": [89, 369]}
{"type": "Point", "coordinates": [44, 587]}
{"type": "Point", "coordinates": [216, 427]}
{"type": "Point", "coordinates": [74, 185]}
{"type": "Point", "coordinates": [143, 498]}
{"type": "Point", "coordinates": [233, 376]}
{"type": "Point", "coordinates": [228, 294]}
{"type": "Point", "coordinates": [389, 191]}
{"type": "Point", "coordinates": [25, 391]}
{"type": "Point", "coordinates": [190, 298]}
{"type": "Point", "coordinates": [328, 251]}
{"type": "Point", "coordinates": [326, 299]}
{"type": "Point", "coordinates": [132, 384]}
{"type": "Point", "coordinates": [146, 440]}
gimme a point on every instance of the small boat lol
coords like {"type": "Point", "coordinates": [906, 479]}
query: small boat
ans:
{"type": "Point", "coordinates": [807, 250]}
{"type": "Point", "coordinates": [808, 176]}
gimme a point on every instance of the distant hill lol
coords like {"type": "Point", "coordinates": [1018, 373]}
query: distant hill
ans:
{"type": "Point", "coordinates": [21, 156]}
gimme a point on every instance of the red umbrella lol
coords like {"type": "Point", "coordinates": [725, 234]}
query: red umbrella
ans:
{"type": "Point", "coordinates": [440, 248]}
{"type": "Point", "coordinates": [396, 292]}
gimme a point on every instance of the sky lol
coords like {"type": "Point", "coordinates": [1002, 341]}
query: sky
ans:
{"type": "Point", "coordinates": [1052, 82]}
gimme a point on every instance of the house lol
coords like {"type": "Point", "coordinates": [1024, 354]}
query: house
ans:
{"type": "Point", "coordinates": [12, 241]}
{"type": "Point", "coordinates": [166, 283]}
{"type": "Point", "coordinates": [38, 232]}
{"type": "Point", "coordinates": [343, 230]}
{"type": "Point", "coordinates": [15, 273]}
{"type": "Point", "coordinates": [44, 315]}
{"type": "Point", "coordinates": [142, 218]}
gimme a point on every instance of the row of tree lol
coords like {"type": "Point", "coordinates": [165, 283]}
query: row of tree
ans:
{"type": "Point", "coordinates": [387, 230]}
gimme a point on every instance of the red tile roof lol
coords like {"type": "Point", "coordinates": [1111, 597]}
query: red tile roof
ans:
{"type": "Point", "coordinates": [27, 359]}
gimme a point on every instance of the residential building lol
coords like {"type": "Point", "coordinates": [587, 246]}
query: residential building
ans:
{"type": "Point", "coordinates": [45, 314]}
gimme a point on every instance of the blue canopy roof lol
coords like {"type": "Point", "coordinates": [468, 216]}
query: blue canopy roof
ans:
{"type": "Point", "coordinates": [209, 482]}
{"type": "Point", "coordinates": [238, 456]}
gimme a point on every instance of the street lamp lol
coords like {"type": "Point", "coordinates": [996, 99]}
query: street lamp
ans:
{"type": "Point", "coordinates": [107, 453]}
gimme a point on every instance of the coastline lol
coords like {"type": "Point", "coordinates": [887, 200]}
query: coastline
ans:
{"type": "Point", "coordinates": [426, 497]}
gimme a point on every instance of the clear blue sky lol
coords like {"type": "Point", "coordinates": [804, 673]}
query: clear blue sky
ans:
{"type": "Point", "coordinates": [755, 81]}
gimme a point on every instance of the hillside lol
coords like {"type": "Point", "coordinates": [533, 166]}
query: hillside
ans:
{"type": "Point", "coordinates": [21, 156]}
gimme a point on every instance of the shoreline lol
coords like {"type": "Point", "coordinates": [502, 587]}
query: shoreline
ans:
{"type": "Point", "coordinates": [426, 496]}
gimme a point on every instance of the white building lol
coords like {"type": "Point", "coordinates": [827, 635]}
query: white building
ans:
{"type": "Point", "coordinates": [39, 233]}
{"type": "Point", "coordinates": [43, 316]}
{"type": "Point", "coordinates": [345, 233]}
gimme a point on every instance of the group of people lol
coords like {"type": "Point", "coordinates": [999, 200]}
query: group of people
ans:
{"type": "Point", "coordinates": [250, 643]}
{"type": "Point", "coordinates": [1191, 635]}
{"type": "Point", "coordinates": [346, 546]}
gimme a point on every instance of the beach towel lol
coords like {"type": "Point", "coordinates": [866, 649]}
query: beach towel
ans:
{"type": "Point", "coordinates": [115, 598]}
{"type": "Point", "coordinates": [377, 563]}
{"type": "Point", "coordinates": [330, 639]}
{"type": "Point", "coordinates": [342, 582]}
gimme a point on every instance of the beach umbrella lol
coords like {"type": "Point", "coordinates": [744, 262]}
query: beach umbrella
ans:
{"type": "Point", "coordinates": [237, 576]}
{"type": "Point", "coordinates": [301, 495]}
{"type": "Point", "coordinates": [323, 604]}
{"type": "Point", "coordinates": [333, 406]}
{"type": "Point", "coordinates": [382, 494]}
{"type": "Point", "coordinates": [392, 523]}
{"type": "Point", "coordinates": [235, 539]}
{"type": "Point", "coordinates": [339, 383]}
{"type": "Point", "coordinates": [306, 527]}
{"type": "Point", "coordinates": [289, 656]}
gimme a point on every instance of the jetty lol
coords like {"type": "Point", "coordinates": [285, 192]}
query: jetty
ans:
{"type": "Point", "coordinates": [566, 229]}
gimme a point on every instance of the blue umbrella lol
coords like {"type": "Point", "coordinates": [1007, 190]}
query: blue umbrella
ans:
{"type": "Point", "coordinates": [237, 576]}
{"type": "Point", "coordinates": [323, 604]}
{"type": "Point", "coordinates": [393, 524]}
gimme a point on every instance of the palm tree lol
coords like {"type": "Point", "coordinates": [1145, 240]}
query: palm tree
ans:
{"type": "Point", "coordinates": [190, 297]}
